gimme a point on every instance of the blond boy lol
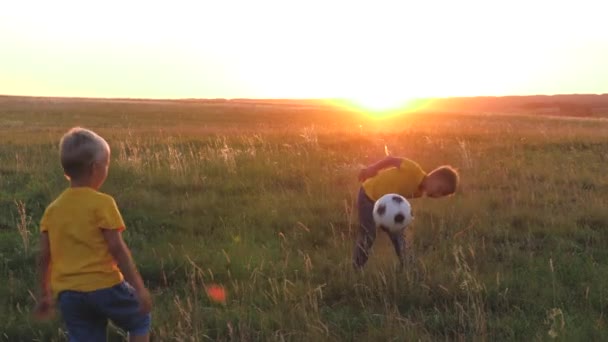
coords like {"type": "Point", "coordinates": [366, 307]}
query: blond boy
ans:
{"type": "Point", "coordinates": [400, 176]}
{"type": "Point", "coordinates": [84, 264]}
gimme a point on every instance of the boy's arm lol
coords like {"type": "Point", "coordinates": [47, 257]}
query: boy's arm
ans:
{"type": "Point", "coordinates": [122, 255]}
{"type": "Point", "coordinates": [43, 304]}
{"type": "Point", "coordinates": [44, 263]}
{"type": "Point", "coordinates": [385, 163]}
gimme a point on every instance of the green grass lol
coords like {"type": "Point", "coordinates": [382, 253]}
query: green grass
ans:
{"type": "Point", "coordinates": [262, 200]}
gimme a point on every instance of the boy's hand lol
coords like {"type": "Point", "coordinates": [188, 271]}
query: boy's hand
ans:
{"type": "Point", "coordinates": [43, 309]}
{"type": "Point", "coordinates": [145, 301]}
{"type": "Point", "coordinates": [366, 173]}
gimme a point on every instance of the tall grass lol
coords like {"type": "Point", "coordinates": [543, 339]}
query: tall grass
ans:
{"type": "Point", "coordinates": [262, 201]}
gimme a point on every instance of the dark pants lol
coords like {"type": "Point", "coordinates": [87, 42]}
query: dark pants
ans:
{"type": "Point", "coordinates": [86, 314]}
{"type": "Point", "coordinates": [367, 233]}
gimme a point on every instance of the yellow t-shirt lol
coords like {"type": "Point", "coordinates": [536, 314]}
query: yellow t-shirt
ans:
{"type": "Point", "coordinates": [80, 257]}
{"type": "Point", "coordinates": [404, 180]}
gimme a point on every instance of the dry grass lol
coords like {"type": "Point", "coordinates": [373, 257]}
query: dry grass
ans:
{"type": "Point", "coordinates": [261, 200]}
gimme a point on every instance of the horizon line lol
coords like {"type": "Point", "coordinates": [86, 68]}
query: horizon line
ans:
{"type": "Point", "coordinates": [228, 99]}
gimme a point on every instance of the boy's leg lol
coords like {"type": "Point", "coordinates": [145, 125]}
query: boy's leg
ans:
{"type": "Point", "coordinates": [367, 230]}
{"type": "Point", "coordinates": [83, 321]}
{"type": "Point", "coordinates": [398, 240]}
{"type": "Point", "coordinates": [139, 338]}
{"type": "Point", "coordinates": [122, 308]}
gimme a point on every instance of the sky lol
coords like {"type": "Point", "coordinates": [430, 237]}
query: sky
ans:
{"type": "Point", "coordinates": [373, 50]}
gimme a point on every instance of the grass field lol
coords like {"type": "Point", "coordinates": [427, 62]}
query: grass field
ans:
{"type": "Point", "coordinates": [260, 198]}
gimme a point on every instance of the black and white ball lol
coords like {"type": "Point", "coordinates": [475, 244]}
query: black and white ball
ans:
{"type": "Point", "coordinates": [392, 213]}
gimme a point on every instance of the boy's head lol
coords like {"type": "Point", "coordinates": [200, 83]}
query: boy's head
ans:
{"type": "Point", "coordinates": [440, 182]}
{"type": "Point", "coordinates": [85, 157]}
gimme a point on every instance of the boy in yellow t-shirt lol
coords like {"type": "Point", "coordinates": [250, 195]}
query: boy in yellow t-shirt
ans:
{"type": "Point", "coordinates": [84, 264]}
{"type": "Point", "coordinates": [401, 176]}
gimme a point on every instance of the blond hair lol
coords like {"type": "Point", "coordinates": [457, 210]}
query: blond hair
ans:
{"type": "Point", "coordinates": [79, 149]}
{"type": "Point", "coordinates": [447, 174]}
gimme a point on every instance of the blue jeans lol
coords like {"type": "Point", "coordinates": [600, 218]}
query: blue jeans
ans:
{"type": "Point", "coordinates": [367, 233]}
{"type": "Point", "coordinates": [86, 314]}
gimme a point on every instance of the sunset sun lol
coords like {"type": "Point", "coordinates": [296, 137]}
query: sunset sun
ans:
{"type": "Point", "coordinates": [380, 103]}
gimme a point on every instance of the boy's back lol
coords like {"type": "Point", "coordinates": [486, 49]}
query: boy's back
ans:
{"type": "Point", "coordinates": [404, 180]}
{"type": "Point", "coordinates": [81, 257]}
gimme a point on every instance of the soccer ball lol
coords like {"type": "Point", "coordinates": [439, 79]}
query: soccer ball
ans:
{"type": "Point", "coordinates": [392, 213]}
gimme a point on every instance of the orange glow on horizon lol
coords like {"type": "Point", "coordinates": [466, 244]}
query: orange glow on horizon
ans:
{"type": "Point", "coordinates": [382, 106]}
